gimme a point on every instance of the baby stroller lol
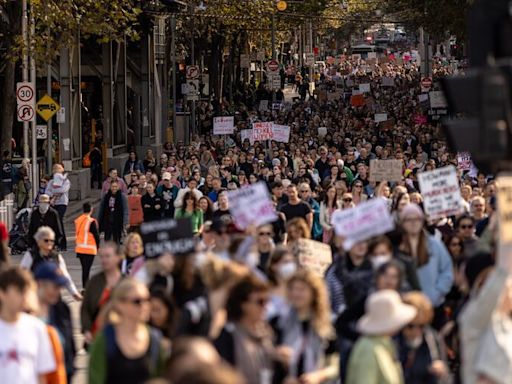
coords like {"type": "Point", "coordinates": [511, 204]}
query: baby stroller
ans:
{"type": "Point", "coordinates": [18, 241]}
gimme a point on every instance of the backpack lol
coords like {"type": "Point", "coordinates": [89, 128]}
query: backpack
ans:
{"type": "Point", "coordinates": [155, 340]}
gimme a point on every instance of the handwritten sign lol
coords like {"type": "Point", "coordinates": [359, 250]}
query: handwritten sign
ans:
{"type": "Point", "coordinates": [365, 88]}
{"type": "Point", "coordinates": [251, 205]}
{"type": "Point", "coordinates": [313, 255]}
{"type": "Point", "coordinates": [379, 117]}
{"type": "Point", "coordinates": [223, 125]}
{"type": "Point", "coordinates": [246, 134]}
{"type": "Point", "coordinates": [388, 170]}
{"type": "Point", "coordinates": [504, 199]}
{"type": "Point", "coordinates": [387, 81]}
{"type": "Point", "coordinates": [280, 133]}
{"type": "Point", "coordinates": [365, 220]}
{"type": "Point", "coordinates": [464, 161]}
{"type": "Point", "coordinates": [169, 235]}
{"type": "Point", "coordinates": [441, 192]}
{"type": "Point", "coordinates": [262, 131]}
{"type": "Point", "coordinates": [322, 131]}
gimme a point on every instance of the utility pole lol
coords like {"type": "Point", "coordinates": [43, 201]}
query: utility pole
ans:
{"type": "Point", "coordinates": [310, 39]}
{"type": "Point", "coordinates": [35, 179]}
{"type": "Point", "coordinates": [173, 61]}
{"type": "Point", "coordinates": [24, 32]}
{"type": "Point", "coordinates": [192, 62]}
{"type": "Point", "coordinates": [273, 35]}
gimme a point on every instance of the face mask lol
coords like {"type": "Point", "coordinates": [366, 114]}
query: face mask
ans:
{"type": "Point", "coordinates": [44, 207]}
{"type": "Point", "coordinates": [286, 270]}
{"type": "Point", "coordinates": [415, 343]}
{"type": "Point", "coordinates": [379, 260]}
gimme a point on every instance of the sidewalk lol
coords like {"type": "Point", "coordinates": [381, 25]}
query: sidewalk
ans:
{"type": "Point", "coordinates": [75, 207]}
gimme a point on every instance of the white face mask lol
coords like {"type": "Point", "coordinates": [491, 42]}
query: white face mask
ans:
{"type": "Point", "coordinates": [44, 207]}
{"type": "Point", "coordinates": [414, 343]}
{"type": "Point", "coordinates": [379, 260]}
{"type": "Point", "coordinates": [286, 270]}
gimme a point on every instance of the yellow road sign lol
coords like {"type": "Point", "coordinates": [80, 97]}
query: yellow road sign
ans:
{"type": "Point", "coordinates": [47, 107]}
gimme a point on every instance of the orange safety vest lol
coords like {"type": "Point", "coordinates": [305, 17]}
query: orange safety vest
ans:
{"type": "Point", "coordinates": [85, 242]}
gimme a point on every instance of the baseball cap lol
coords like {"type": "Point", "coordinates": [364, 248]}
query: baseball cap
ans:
{"type": "Point", "coordinates": [166, 176]}
{"type": "Point", "coordinates": [51, 272]}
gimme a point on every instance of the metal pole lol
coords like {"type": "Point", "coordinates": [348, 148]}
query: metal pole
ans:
{"type": "Point", "coordinates": [49, 157]}
{"type": "Point", "coordinates": [193, 62]}
{"type": "Point", "coordinates": [24, 32]}
{"type": "Point", "coordinates": [273, 35]}
{"type": "Point", "coordinates": [173, 61]}
{"type": "Point", "coordinates": [310, 38]}
{"type": "Point", "coordinates": [35, 179]}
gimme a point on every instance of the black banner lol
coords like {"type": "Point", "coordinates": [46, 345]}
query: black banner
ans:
{"type": "Point", "coordinates": [169, 235]}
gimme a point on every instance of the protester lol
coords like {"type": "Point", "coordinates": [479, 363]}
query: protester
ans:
{"type": "Point", "coordinates": [191, 210]}
{"type": "Point", "coordinates": [113, 177]}
{"type": "Point", "coordinates": [5, 259]}
{"type": "Point", "coordinates": [151, 204]}
{"type": "Point", "coordinates": [127, 350]}
{"type": "Point", "coordinates": [133, 251]}
{"type": "Point", "coordinates": [136, 213]}
{"type": "Point", "coordinates": [327, 208]}
{"type": "Point", "coordinates": [25, 349]}
{"type": "Point", "coordinates": [44, 250]}
{"type": "Point", "coordinates": [113, 213]}
{"type": "Point", "coordinates": [295, 208]}
{"type": "Point", "coordinates": [133, 164]}
{"type": "Point", "coordinates": [373, 359]}
{"type": "Point", "coordinates": [87, 240]}
{"type": "Point", "coordinates": [58, 190]}
{"type": "Point", "coordinates": [45, 215]}
{"type": "Point", "coordinates": [281, 266]}
{"type": "Point", "coordinates": [99, 289]}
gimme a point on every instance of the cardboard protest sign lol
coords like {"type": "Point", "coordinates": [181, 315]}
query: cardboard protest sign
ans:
{"type": "Point", "coordinates": [385, 170]}
{"type": "Point", "coordinates": [246, 134]}
{"type": "Point", "coordinates": [223, 125]}
{"type": "Point", "coordinates": [464, 161]}
{"type": "Point", "coordinates": [365, 88]}
{"type": "Point", "coordinates": [357, 100]}
{"type": "Point", "coordinates": [169, 235]}
{"type": "Point", "coordinates": [322, 131]}
{"type": "Point", "coordinates": [504, 199]}
{"type": "Point", "coordinates": [368, 219]}
{"type": "Point", "coordinates": [441, 192]}
{"type": "Point", "coordinates": [262, 131]}
{"type": "Point", "coordinates": [313, 255]}
{"type": "Point", "coordinates": [380, 117]}
{"type": "Point", "coordinates": [387, 81]}
{"type": "Point", "coordinates": [280, 133]}
{"type": "Point", "coordinates": [251, 205]}
{"type": "Point", "coordinates": [437, 99]}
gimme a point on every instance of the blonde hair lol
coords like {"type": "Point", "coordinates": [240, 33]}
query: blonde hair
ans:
{"type": "Point", "coordinates": [422, 304]}
{"type": "Point", "coordinates": [123, 288]}
{"type": "Point", "coordinates": [133, 236]}
{"type": "Point", "coordinates": [321, 321]}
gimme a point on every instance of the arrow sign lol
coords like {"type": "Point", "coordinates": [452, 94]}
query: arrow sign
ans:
{"type": "Point", "coordinates": [25, 112]}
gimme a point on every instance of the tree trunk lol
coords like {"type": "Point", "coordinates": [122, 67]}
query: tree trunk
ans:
{"type": "Point", "coordinates": [8, 101]}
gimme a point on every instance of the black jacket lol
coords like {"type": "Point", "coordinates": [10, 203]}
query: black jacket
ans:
{"type": "Point", "coordinates": [50, 219]}
{"type": "Point", "coordinates": [149, 207]}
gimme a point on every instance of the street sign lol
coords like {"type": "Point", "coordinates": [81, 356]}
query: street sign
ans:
{"type": "Point", "coordinates": [260, 56]}
{"type": "Point", "coordinates": [25, 93]}
{"type": "Point", "coordinates": [426, 84]}
{"type": "Point", "coordinates": [47, 107]}
{"type": "Point", "coordinates": [26, 101]}
{"type": "Point", "coordinates": [310, 59]}
{"type": "Point", "coordinates": [192, 72]}
{"type": "Point", "coordinates": [275, 81]}
{"type": "Point", "coordinates": [273, 65]}
{"type": "Point", "coordinates": [192, 88]}
{"type": "Point", "coordinates": [61, 115]}
{"type": "Point", "coordinates": [245, 61]}
{"type": "Point", "coordinates": [25, 112]}
{"type": "Point", "coordinates": [41, 132]}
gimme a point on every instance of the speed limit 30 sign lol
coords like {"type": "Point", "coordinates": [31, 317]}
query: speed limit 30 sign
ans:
{"type": "Point", "coordinates": [26, 100]}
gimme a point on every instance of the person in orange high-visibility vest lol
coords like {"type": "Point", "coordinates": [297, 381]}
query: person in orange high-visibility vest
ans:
{"type": "Point", "coordinates": [87, 240]}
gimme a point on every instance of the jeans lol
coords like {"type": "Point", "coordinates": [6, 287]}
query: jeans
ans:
{"type": "Point", "coordinates": [113, 234]}
{"type": "Point", "coordinates": [61, 209]}
{"type": "Point", "coordinates": [86, 261]}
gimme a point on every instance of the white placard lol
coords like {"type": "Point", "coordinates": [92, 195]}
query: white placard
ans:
{"type": "Point", "coordinates": [262, 131]}
{"type": "Point", "coordinates": [223, 125]}
{"type": "Point", "coordinates": [280, 133]}
{"type": "Point", "coordinates": [365, 88]}
{"type": "Point", "coordinates": [313, 255]}
{"type": "Point", "coordinates": [437, 99]}
{"type": "Point", "coordinates": [379, 117]}
{"type": "Point", "coordinates": [356, 92]}
{"type": "Point", "coordinates": [246, 134]}
{"type": "Point", "coordinates": [441, 192]}
{"type": "Point", "coordinates": [368, 219]}
{"type": "Point", "coordinates": [61, 115]}
{"type": "Point", "coordinates": [322, 131]}
{"type": "Point", "coordinates": [251, 205]}
{"type": "Point", "coordinates": [464, 161]}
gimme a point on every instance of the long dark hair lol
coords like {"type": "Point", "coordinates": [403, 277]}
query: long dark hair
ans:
{"type": "Point", "coordinates": [168, 302]}
{"type": "Point", "coordinates": [189, 195]}
{"type": "Point", "coordinates": [326, 199]}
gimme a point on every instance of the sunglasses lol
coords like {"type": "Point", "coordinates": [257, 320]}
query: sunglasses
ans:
{"type": "Point", "coordinates": [466, 226]}
{"type": "Point", "coordinates": [264, 234]}
{"type": "Point", "coordinates": [259, 302]}
{"type": "Point", "coordinates": [304, 191]}
{"type": "Point", "coordinates": [49, 240]}
{"type": "Point", "coordinates": [347, 200]}
{"type": "Point", "coordinates": [138, 301]}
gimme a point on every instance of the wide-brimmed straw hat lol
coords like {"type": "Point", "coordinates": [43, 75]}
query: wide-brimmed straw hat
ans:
{"type": "Point", "coordinates": [385, 314]}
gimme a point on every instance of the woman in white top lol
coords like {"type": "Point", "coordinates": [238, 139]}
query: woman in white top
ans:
{"type": "Point", "coordinates": [44, 250]}
{"type": "Point", "coordinates": [327, 207]}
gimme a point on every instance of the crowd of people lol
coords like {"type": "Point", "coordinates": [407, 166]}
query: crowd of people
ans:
{"type": "Point", "coordinates": [242, 308]}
